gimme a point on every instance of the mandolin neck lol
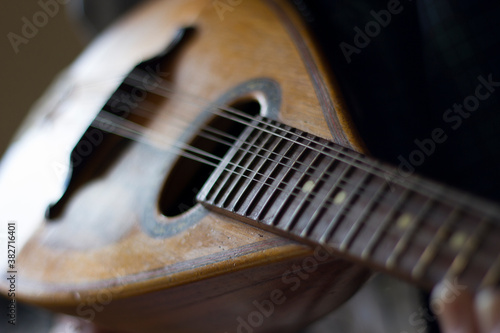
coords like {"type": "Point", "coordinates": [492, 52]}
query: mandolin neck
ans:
{"type": "Point", "coordinates": [292, 182]}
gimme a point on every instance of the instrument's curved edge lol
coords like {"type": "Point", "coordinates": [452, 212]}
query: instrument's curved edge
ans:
{"type": "Point", "coordinates": [225, 295]}
{"type": "Point", "coordinates": [61, 295]}
{"type": "Point", "coordinates": [342, 128]}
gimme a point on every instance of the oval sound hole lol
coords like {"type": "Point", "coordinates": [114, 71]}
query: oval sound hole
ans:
{"type": "Point", "coordinates": [188, 175]}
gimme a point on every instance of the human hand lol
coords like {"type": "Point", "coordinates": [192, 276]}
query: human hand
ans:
{"type": "Point", "coordinates": [468, 313]}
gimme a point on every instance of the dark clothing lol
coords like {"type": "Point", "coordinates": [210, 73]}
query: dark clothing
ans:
{"type": "Point", "coordinates": [419, 70]}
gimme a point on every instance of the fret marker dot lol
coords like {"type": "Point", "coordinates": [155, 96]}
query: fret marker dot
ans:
{"type": "Point", "coordinates": [404, 221]}
{"type": "Point", "coordinates": [339, 198]}
{"type": "Point", "coordinates": [457, 240]}
{"type": "Point", "coordinates": [308, 186]}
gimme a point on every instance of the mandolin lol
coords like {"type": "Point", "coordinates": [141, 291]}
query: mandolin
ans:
{"type": "Point", "coordinates": [196, 169]}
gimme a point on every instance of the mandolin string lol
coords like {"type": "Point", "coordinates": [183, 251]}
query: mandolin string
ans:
{"type": "Point", "coordinates": [138, 136]}
{"type": "Point", "coordinates": [421, 244]}
{"type": "Point", "coordinates": [208, 136]}
{"type": "Point", "coordinates": [388, 171]}
{"type": "Point", "coordinates": [388, 174]}
{"type": "Point", "coordinates": [211, 133]}
{"type": "Point", "coordinates": [227, 109]}
{"type": "Point", "coordinates": [310, 169]}
{"type": "Point", "coordinates": [417, 243]}
{"type": "Point", "coordinates": [414, 183]}
{"type": "Point", "coordinates": [144, 111]}
{"type": "Point", "coordinates": [417, 184]}
{"type": "Point", "coordinates": [264, 183]}
{"type": "Point", "coordinates": [139, 130]}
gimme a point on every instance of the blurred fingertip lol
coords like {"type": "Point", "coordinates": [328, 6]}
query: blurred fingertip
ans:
{"type": "Point", "coordinates": [487, 306]}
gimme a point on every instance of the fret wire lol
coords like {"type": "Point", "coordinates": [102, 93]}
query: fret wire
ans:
{"type": "Point", "coordinates": [227, 172]}
{"type": "Point", "coordinates": [462, 259]}
{"type": "Point", "coordinates": [232, 169]}
{"type": "Point", "coordinates": [306, 197]}
{"type": "Point", "coordinates": [490, 274]}
{"type": "Point", "coordinates": [256, 171]}
{"type": "Point", "coordinates": [305, 232]}
{"type": "Point", "coordinates": [283, 177]}
{"type": "Point", "coordinates": [376, 198]}
{"type": "Point", "coordinates": [283, 203]}
{"type": "Point", "coordinates": [430, 252]}
{"type": "Point", "coordinates": [280, 156]}
{"type": "Point", "coordinates": [327, 234]}
{"type": "Point", "coordinates": [246, 162]}
{"type": "Point", "coordinates": [492, 277]}
{"type": "Point", "coordinates": [404, 241]}
{"type": "Point", "coordinates": [384, 225]}
{"type": "Point", "coordinates": [271, 171]}
{"type": "Point", "coordinates": [241, 190]}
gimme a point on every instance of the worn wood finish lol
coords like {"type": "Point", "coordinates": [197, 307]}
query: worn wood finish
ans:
{"type": "Point", "coordinates": [96, 261]}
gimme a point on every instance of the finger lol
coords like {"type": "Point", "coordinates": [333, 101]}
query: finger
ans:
{"type": "Point", "coordinates": [454, 309]}
{"type": "Point", "coordinates": [487, 304]}
{"type": "Point", "coordinates": [69, 324]}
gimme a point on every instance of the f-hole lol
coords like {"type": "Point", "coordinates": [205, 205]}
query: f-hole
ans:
{"type": "Point", "coordinates": [188, 175]}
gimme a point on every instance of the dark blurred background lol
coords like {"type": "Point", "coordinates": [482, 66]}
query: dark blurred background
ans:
{"type": "Point", "coordinates": [26, 74]}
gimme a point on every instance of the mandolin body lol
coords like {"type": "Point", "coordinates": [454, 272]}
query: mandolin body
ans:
{"type": "Point", "coordinates": [111, 256]}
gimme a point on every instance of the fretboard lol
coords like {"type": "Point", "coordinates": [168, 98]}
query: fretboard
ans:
{"type": "Point", "coordinates": [294, 183]}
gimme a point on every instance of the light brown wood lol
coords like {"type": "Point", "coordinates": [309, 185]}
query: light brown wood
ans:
{"type": "Point", "coordinates": [96, 261]}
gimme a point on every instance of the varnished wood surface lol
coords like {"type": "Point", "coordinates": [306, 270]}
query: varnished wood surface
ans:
{"type": "Point", "coordinates": [98, 245]}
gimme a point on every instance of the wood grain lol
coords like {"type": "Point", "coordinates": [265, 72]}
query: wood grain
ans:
{"type": "Point", "coordinates": [216, 269]}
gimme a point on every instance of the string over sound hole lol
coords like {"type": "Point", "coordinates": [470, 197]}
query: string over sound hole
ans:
{"type": "Point", "coordinates": [198, 161]}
